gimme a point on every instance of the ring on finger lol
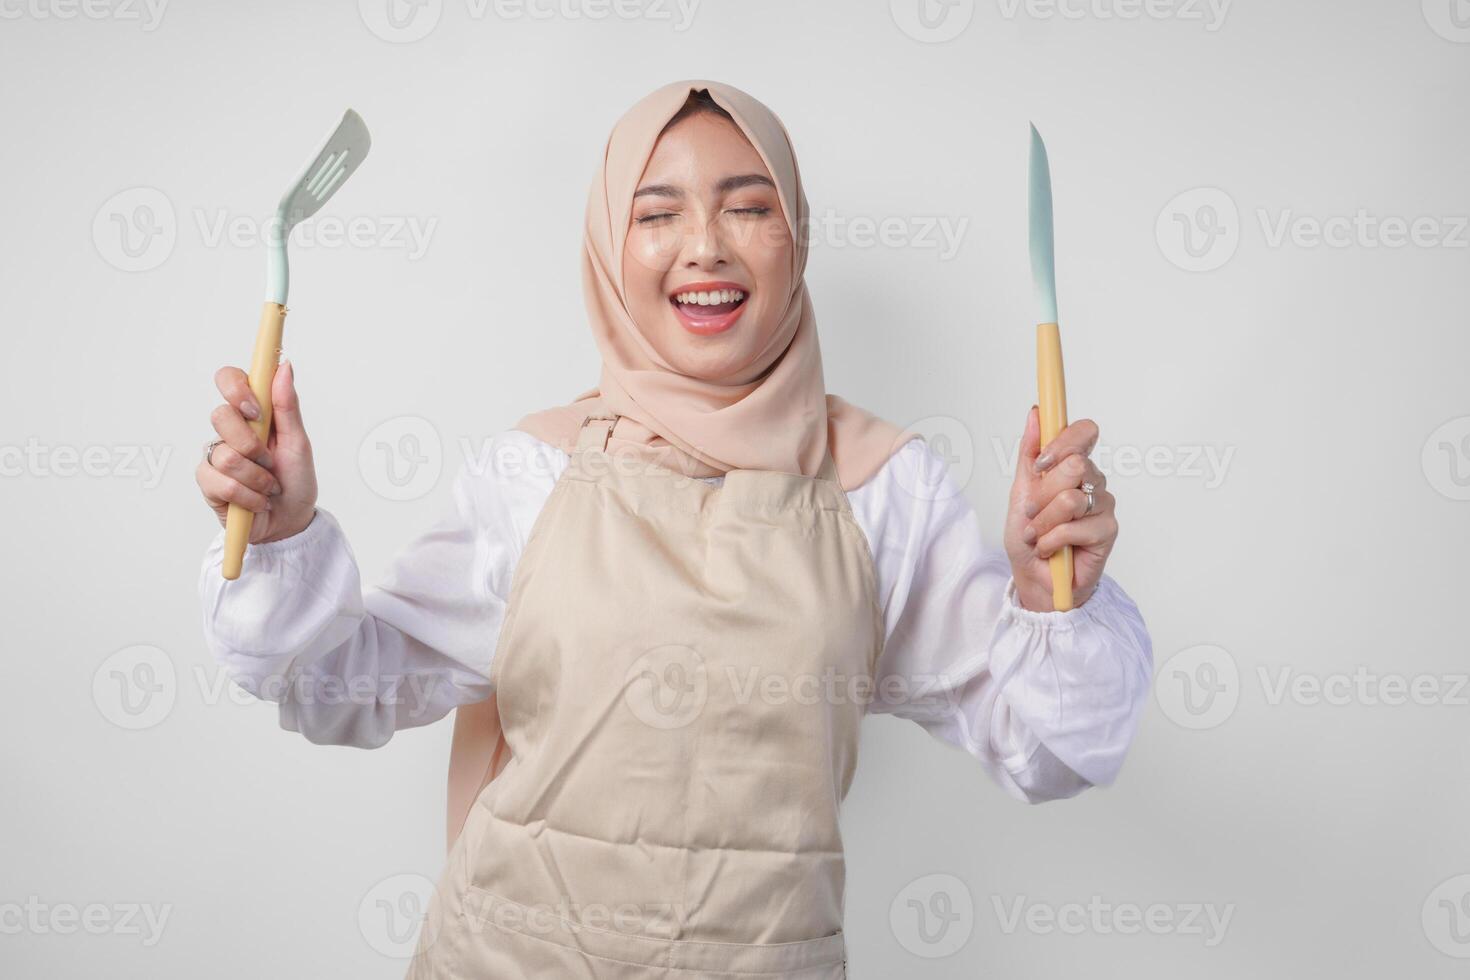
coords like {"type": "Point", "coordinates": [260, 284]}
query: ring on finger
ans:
{"type": "Point", "coordinates": [1089, 490]}
{"type": "Point", "coordinates": [209, 450]}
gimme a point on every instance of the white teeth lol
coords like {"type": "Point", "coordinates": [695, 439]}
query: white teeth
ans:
{"type": "Point", "coordinates": [714, 298]}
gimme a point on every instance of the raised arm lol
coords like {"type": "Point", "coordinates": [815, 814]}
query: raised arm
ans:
{"type": "Point", "coordinates": [1047, 701]}
{"type": "Point", "coordinates": [348, 666]}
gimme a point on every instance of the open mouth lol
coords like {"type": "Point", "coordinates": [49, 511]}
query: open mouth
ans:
{"type": "Point", "coordinates": [709, 307]}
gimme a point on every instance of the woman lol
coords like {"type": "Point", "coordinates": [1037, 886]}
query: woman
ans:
{"type": "Point", "coordinates": [664, 611]}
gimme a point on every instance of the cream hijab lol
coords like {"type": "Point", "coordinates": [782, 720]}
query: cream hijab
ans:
{"type": "Point", "coordinates": [783, 420]}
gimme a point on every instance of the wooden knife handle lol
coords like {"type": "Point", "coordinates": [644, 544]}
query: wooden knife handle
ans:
{"type": "Point", "coordinates": [262, 371]}
{"type": "Point", "coordinates": [1051, 388]}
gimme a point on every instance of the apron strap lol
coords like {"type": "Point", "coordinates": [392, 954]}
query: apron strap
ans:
{"type": "Point", "coordinates": [828, 470]}
{"type": "Point", "coordinates": [596, 430]}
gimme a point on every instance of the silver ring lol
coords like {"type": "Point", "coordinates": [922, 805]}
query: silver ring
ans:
{"type": "Point", "coordinates": [1089, 490]}
{"type": "Point", "coordinates": [209, 450]}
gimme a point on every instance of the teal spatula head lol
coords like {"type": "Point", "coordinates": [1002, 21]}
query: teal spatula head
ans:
{"type": "Point", "coordinates": [1043, 249]}
{"type": "Point", "coordinates": [327, 170]}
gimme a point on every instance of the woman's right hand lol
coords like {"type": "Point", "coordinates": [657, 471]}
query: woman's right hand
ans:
{"type": "Point", "coordinates": [275, 479]}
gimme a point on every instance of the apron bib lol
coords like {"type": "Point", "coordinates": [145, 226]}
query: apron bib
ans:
{"type": "Point", "coordinates": [680, 679]}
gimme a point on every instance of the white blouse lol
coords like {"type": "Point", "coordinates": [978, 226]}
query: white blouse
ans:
{"type": "Point", "coordinates": [1048, 702]}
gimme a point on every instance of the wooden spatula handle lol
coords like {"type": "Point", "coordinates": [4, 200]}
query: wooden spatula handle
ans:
{"type": "Point", "coordinates": [262, 370]}
{"type": "Point", "coordinates": [1051, 388]}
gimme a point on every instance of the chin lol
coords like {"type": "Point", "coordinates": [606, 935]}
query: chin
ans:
{"type": "Point", "coordinates": [707, 365]}
{"type": "Point", "coordinates": [713, 357]}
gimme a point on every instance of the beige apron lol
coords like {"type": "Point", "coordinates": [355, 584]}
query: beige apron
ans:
{"type": "Point", "coordinates": [680, 679]}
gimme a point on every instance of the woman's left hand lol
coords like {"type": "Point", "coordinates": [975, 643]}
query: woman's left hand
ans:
{"type": "Point", "coordinates": [1048, 510]}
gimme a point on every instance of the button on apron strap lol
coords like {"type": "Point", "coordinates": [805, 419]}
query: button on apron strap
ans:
{"type": "Point", "coordinates": [595, 431]}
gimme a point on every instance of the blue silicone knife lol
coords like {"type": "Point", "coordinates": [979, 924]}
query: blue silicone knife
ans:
{"type": "Point", "coordinates": [1051, 385]}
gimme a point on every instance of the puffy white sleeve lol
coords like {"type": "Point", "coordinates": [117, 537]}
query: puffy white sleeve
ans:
{"type": "Point", "coordinates": [351, 667]}
{"type": "Point", "coordinates": [1048, 702]}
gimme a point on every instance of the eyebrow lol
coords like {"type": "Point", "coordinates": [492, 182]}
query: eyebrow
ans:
{"type": "Point", "coordinates": [724, 186]}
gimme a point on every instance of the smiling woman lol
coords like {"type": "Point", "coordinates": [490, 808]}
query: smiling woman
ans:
{"type": "Point", "coordinates": [663, 614]}
{"type": "Point", "coordinates": [707, 226]}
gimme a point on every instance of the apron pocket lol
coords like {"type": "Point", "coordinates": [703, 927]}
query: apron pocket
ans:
{"type": "Point", "coordinates": [543, 943]}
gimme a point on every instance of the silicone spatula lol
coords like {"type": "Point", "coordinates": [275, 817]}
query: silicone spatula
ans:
{"type": "Point", "coordinates": [1050, 384]}
{"type": "Point", "coordinates": [326, 171]}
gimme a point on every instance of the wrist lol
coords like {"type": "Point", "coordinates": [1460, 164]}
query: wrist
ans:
{"type": "Point", "coordinates": [291, 528]}
{"type": "Point", "coordinates": [1036, 597]}
{"type": "Point", "coordinates": [1032, 597]}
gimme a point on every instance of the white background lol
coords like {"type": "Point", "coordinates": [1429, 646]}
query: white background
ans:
{"type": "Point", "coordinates": [1326, 540]}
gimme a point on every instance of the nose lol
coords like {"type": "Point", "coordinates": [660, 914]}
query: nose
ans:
{"type": "Point", "coordinates": [705, 246]}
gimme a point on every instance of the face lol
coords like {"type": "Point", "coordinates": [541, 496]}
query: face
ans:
{"type": "Point", "coordinates": [707, 264]}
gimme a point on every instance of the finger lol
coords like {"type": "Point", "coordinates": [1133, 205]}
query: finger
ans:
{"type": "Point", "coordinates": [1030, 446]}
{"type": "Point", "coordinates": [220, 489]}
{"type": "Point", "coordinates": [1079, 437]}
{"type": "Point", "coordinates": [1098, 531]}
{"type": "Point", "coordinates": [1069, 505]}
{"type": "Point", "coordinates": [1071, 472]}
{"type": "Point", "coordinates": [286, 406]}
{"type": "Point", "coordinates": [245, 471]}
{"type": "Point", "coordinates": [238, 434]}
{"type": "Point", "coordinates": [234, 384]}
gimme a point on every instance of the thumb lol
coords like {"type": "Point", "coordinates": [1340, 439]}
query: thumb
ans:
{"type": "Point", "coordinates": [285, 406]}
{"type": "Point", "coordinates": [1030, 449]}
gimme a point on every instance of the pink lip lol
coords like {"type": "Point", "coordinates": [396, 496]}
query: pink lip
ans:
{"type": "Point", "coordinates": [708, 325]}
